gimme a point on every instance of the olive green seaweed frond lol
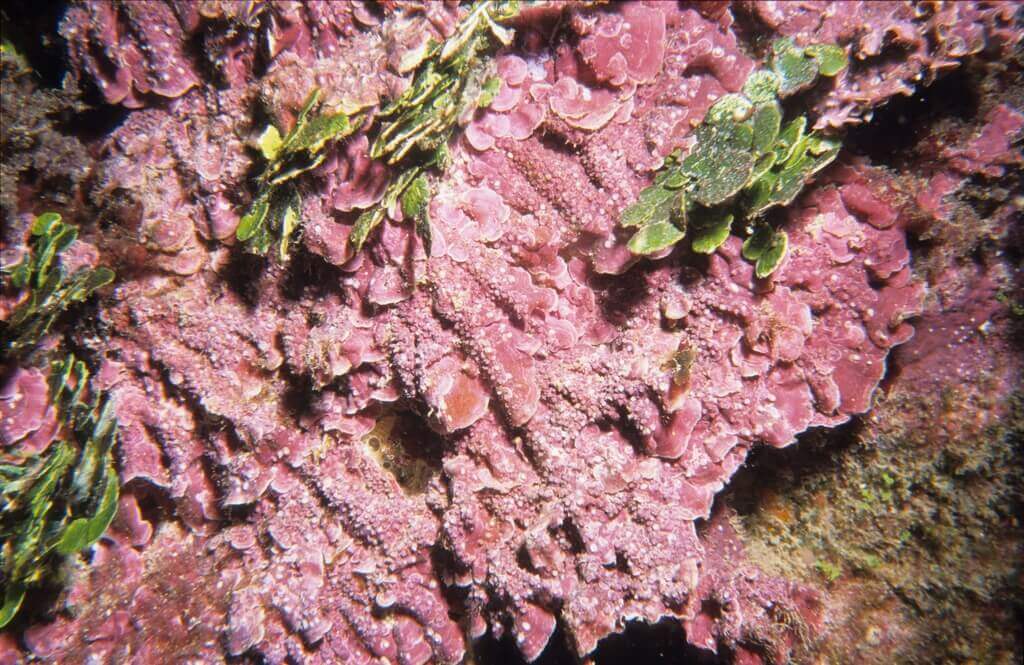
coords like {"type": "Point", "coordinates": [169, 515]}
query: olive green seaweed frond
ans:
{"type": "Point", "coordinates": [452, 79]}
{"type": "Point", "coordinates": [60, 501]}
{"type": "Point", "coordinates": [50, 290]}
{"type": "Point", "coordinates": [455, 78]}
{"type": "Point", "coordinates": [744, 162]}
{"type": "Point", "coordinates": [277, 208]}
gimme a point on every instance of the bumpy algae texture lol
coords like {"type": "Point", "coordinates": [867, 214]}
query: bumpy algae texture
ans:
{"type": "Point", "coordinates": [448, 403]}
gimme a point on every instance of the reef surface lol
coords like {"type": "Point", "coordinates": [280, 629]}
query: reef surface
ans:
{"type": "Point", "coordinates": [524, 439]}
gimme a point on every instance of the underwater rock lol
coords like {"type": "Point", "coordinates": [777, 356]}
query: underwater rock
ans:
{"type": "Point", "coordinates": [387, 454]}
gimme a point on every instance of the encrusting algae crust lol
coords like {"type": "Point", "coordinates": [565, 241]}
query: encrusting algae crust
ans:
{"type": "Point", "coordinates": [394, 376]}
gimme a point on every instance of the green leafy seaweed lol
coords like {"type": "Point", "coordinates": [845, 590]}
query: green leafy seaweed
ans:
{"type": "Point", "coordinates": [50, 290]}
{"type": "Point", "coordinates": [795, 69]}
{"type": "Point", "coordinates": [744, 162]}
{"type": "Point", "coordinates": [61, 501]}
{"type": "Point", "coordinates": [766, 247]}
{"type": "Point", "coordinates": [831, 59]}
{"type": "Point", "coordinates": [712, 231]}
{"type": "Point", "coordinates": [655, 237]}
{"type": "Point", "coordinates": [654, 205]}
{"type": "Point", "coordinates": [452, 79]}
{"type": "Point", "coordinates": [277, 209]}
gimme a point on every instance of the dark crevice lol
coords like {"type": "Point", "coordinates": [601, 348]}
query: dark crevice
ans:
{"type": "Point", "coordinates": [155, 505]}
{"type": "Point", "coordinates": [299, 395]}
{"type": "Point", "coordinates": [573, 536]}
{"type": "Point", "coordinates": [442, 562]}
{"type": "Point", "coordinates": [711, 607]}
{"type": "Point", "coordinates": [523, 559]}
{"type": "Point", "coordinates": [489, 650]}
{"type": "Point", "coordinates": [813, 452]}
{"type": "Point", "coordinates": [92, 123]}
{"type": "Point", "coordinates": [618, 298]}
{"type": "Point", "coordinates": [242, 275]}
{"type": "Point", "coordinates": [195, 49]}
{"type": "Point", "coordinates": [31, 26]}
{"type": "Point", "coordinates": [406, 447]}
{"type": "Point", "coordinates": [663, 643]}
{"type": "Point", "coordinates": [621, 563]}
{"type": "Point", "coordinates": [309, 274]}
{"type": "Point", "coordinates": [897, 126]}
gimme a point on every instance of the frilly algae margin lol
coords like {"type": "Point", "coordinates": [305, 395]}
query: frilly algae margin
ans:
{"type": "Point", "coordinates": [744, 162]}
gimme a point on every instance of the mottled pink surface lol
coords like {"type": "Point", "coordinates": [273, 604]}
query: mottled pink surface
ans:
{"type": "Point", "coordinates": [26, 417]}
{"type": "Point", "coordinates": [896, 46]}
{"type": "Point", "coordinates": [572, 411]}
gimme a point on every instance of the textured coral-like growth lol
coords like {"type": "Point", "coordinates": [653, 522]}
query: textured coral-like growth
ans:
{"type": "Point", "coordinates": [387, 454]}
{"type": "Point", "coordinates": [898, 45]}
{"type": "Point", "coordinates": [131, 50]}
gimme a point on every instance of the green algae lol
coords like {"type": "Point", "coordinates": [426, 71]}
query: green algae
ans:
{"type": "Point", "coordinates": [742, 164]}
{"type": "Point", "coordinates": [61, 501]}
{"type": "Point", "coordinates": [452, 79]}
{"type": "Point", "coordinates": [50, 291]}
{"type": "Point", "coordinates": [828, 570]}
{"type": "Point", "coordinates": [918, 536]}
{"type": "Point", "coordinates": [277, 209]}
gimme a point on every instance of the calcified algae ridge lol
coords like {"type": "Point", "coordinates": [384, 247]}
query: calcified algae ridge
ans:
{"type": "Point", "coordinates": [390, 332]}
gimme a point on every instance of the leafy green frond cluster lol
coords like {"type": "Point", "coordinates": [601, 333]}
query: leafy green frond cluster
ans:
{"type": "Point", "coordinates": [453, 78]}
{"type": "Point", "coordinates": [50, 289]}
{"type": "Point", "coordinates": [451, 82]}
{"type": "Point", "coordinates": [60, 501]}
{"type": "Point", "coordinates": [743, 163]}
{"type": "Point", "coordinates": [277, 207]}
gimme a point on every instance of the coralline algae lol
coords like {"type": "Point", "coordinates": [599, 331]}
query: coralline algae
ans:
{"type": "Point", "coordinates": [383, 455]}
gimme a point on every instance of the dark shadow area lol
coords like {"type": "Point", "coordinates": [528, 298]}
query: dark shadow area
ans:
{"type": "Point", "coordinates": [242, 275]}
{"type": "Point", "coordinates": [903, 121]}
{"type": "Point", "coordinates": [663, 643]}
{"type": "Point", "coordinates": [155, 505]}
{"type": "Point", "coordinates": [489, 650]}
{"type": "Point", "coordinates": [309, 274]}
{"type": "Point", "coordinates": [620, 298]}
{"type": "Point", "coordinates": [92, 123]}
{"type": "Point", "coordinates": [815, 451]}
{"type": "Point", "coordinates": [300, 394]}
{"type": "Point", "coordinates": [31, 26]}
{"type": "Point", "coordinates": [405, 446]}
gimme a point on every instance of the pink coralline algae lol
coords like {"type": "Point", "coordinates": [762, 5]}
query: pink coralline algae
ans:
{"type": "Point", "coordinates": [130, 50]}
{"type": "Point", "coordinates": [27, 419]}
{"type": "Point", "coordinates": [991, 151]}
{"type": "Point", "coordinates": [383, 456]}
{"type": "Point", "coordinates": [898, 45]}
